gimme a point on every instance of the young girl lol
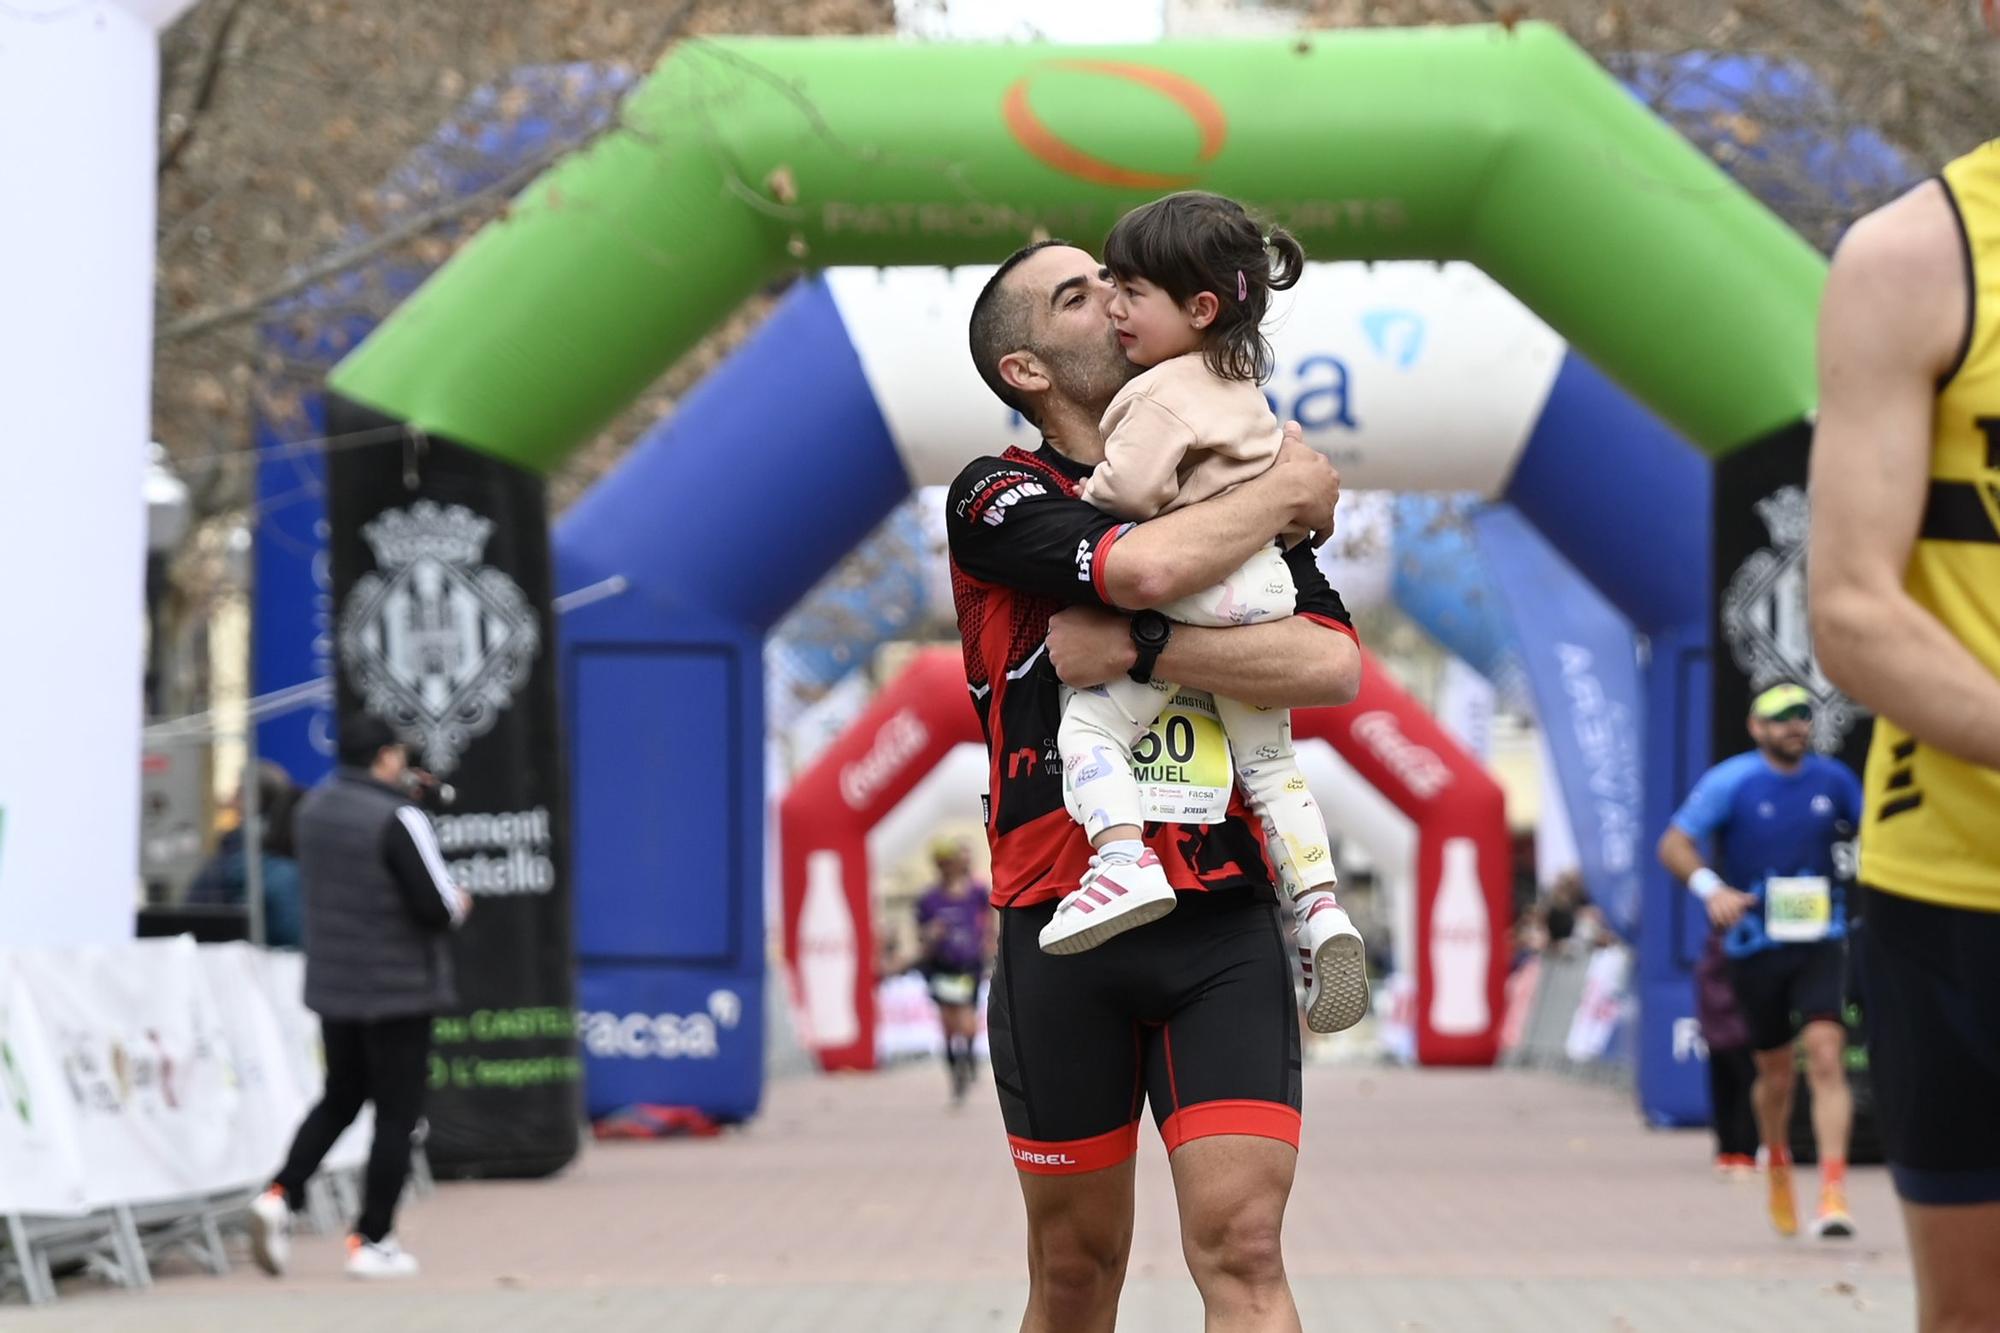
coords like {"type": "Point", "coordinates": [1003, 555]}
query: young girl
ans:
{"type": "Point", "coordinates": [1194, 275]}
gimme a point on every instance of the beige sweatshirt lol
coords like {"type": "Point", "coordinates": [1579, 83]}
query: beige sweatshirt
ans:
{"type": "Point", "coordinates": [1180, 434]}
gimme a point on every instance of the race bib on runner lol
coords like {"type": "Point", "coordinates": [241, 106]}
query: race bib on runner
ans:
{"type": "Point", "coordinates": [1797, 909]}
{"type": "Point", "coordinates": [1182, 764]}
{"type": "Point", "coordinates": [954, 987]}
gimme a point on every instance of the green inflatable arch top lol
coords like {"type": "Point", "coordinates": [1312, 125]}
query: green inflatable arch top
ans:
{"type": "Point", "coordinates": [739, 159]}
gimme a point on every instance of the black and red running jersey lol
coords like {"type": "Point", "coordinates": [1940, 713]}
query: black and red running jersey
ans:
{"type": "Point", "coordinates": [1023, 546]}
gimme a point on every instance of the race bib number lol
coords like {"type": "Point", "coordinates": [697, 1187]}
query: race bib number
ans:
{"type": "Point", "coordinates": [954, 987]}
{"type": "Point", "coordinates": [1182, 764]}
{"type": "Point", "coordinates": [1798, 909]}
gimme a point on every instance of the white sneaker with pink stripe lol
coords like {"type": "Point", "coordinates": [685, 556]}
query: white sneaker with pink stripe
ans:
{"type": "Point", "coordinates": [1334, 962]}
{"type": "Point", "coordinates": [1113, 897]}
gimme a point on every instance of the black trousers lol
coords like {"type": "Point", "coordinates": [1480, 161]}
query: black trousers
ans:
{"type": "Point", "coordinates": [1730, 1076]}
{"type": "Point", "coordinates": [385, 1061]}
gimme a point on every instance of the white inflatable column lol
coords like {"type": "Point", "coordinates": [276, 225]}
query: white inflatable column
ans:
{"type": "Point", "coordinates": [79, 111]}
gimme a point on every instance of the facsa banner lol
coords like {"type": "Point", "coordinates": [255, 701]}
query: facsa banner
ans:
{"type": "Point", "coordinates": [1409, 376]}
{"type": "Point", "coordinates": [1582, 666]}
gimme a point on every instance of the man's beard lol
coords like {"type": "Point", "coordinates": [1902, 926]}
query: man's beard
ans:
{"type": "Point", "coordinates": [1789, 751]}
{"type": "Point", "coordinates": [1091, 376]}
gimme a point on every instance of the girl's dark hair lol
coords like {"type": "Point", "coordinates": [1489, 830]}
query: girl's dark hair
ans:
{"type": "Point", "coordinates": [1195, 242]}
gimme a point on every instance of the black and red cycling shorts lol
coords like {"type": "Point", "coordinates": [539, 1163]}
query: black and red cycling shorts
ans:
{"type": "Point", "coordinates": [1194, 1013]}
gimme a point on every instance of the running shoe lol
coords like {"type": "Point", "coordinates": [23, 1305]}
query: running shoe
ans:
{"type": "Point", "coordinates": [1784, 1212]}
{"type": "Point", "coordinates": [382, 1258]}
{"type": "Point", "coordinates": [271, 1231]}
{"type": "Point", "coordinates": [1833, 1221]}
{"type": "Point", "coordinates": [1735, 1166]}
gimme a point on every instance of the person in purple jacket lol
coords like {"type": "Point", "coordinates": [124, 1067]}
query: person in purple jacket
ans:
{"type": "Point", "coordinates": [955, 934]}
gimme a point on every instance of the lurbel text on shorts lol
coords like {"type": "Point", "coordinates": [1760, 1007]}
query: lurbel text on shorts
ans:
{"type": "Point", "coordinates": [1044, 1158]}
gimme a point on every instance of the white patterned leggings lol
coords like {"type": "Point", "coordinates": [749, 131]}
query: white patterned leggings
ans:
{"type": "Point", "coordinates": [1100, 727]}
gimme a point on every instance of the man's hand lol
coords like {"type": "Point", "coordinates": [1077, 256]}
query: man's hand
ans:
{"type": "Point", "coordinates": [1088, 646]}
{"type": "Point", "coordinates": [1726, 906]}
{"type": "Point", "coordinates": [1313, 482]}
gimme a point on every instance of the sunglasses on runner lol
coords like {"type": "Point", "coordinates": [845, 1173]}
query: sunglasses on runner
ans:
{"type": "Point", "coordinates": [1796, 713]}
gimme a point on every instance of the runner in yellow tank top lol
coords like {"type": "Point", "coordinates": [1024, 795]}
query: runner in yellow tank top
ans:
{"type": "Point", "coordinates": [1931, 828]}
{"type": "Point", "coordinates": [1905, 588]}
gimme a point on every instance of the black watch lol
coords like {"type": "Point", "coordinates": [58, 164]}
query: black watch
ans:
{"type": "Point", "coordinates": [1150, 632]}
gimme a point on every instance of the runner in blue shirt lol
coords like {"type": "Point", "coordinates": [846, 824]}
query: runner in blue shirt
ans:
{"type": "Point", "coordinates": [1782, 819]}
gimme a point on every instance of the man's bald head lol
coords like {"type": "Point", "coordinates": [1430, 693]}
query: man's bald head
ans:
{"type": "Point", "coordinates": [1043, 339]}
{"type": "Point", "coordinates": [1002, 322]}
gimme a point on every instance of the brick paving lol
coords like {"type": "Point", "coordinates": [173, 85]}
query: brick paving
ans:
{"type": "Point", "coordinates": [1432, 1201]}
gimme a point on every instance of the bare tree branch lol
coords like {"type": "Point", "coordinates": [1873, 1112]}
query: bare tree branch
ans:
{"type": "Point", "coordinates": [205, 85]}
{"type": "Point", "coordinates": [490, 199]}
{"type": "Point", "coordinates": [417, 224]}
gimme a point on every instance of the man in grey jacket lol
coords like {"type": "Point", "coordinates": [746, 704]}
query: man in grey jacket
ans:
{"type": "Point", "coordinates": [379, 903]}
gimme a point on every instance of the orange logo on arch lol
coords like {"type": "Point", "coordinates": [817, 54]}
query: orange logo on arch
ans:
{"type": "Point", "coordinates": [1033, 134]}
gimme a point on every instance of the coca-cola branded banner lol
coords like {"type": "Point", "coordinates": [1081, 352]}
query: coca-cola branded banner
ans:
{"type": "Point", "coordinates": [443, 630]}
{"type": "Point", "coordinates": [1462, 873]}
{"type": "Point", "coordinates": [823, 823]}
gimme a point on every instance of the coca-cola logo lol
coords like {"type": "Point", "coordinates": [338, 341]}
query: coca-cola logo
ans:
{"type": "Point", "coordinates": [1417, 767]}
{"type": "Point", "coordinates": [902, 737]}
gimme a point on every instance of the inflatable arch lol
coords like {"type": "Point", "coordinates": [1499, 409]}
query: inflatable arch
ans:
{"type": "Point", "coordinates": [856, 389]}
{"type": "Point", "coordinates": [949, 795]}
{"type": "Point", "coordinates": [923, 715]}
{"type": "Point", "coordinates": [736, 159]}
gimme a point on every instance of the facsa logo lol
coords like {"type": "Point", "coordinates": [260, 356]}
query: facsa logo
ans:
{"type": "Point", "coordinates": [1044, 1158]}
{"type": "Point", "coordinates": [1396, 335]}
{"type": "Point", "coordinates": [660, 1036]}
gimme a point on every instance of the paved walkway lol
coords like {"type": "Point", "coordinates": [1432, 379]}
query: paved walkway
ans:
{"type": "Point", "coordinates": [1428, 1202]}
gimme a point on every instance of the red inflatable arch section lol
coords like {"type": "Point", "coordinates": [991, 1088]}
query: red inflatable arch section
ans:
{"type": "Point", "coordinates": [1463, 873]}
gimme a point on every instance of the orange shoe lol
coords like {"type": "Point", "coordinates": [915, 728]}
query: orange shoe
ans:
{"type": "Point", "coordinates": [1735, 1166]}
{"type": "Point", "coordinates": [1784, 1212]}
{"type": "Point", "coordinates": [1833, 1221]}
